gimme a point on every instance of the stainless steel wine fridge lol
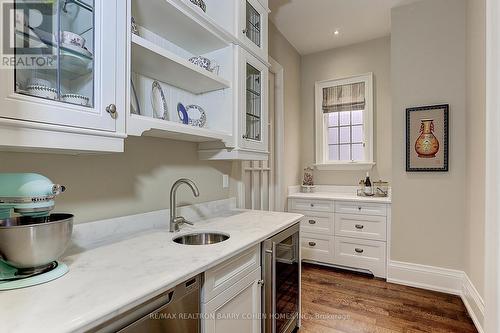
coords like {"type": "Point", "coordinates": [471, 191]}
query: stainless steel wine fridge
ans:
{"type": "Point", "coordinates": [281, 273]}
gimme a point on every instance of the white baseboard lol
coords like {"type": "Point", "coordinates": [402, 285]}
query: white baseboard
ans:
{"type": "Point", "coordinates": [444, 280]}
{"type": "Point", "coordinates": [473, 302]}
{"type": "Point", "coordinates": [426, 277]}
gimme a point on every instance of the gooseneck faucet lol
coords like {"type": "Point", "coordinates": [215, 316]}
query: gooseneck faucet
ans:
{"type": "Point", "coordinates": [175, 220]}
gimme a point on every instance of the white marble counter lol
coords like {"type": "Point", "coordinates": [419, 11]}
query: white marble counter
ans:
{"type": "Point", "coordinates": [107, 279]}
{"type": "Point", "coordinates": [338, 193]}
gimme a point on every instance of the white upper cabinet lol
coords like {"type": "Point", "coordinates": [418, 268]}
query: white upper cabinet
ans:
{"type": "Point", "coordinates": [251, 124]}
{"type": "Point", "coordinates": [78, 84]}
{"type": "Point", "coordinates": [252, 27]}
{"type": "Point", "coordinates": [253, 103]}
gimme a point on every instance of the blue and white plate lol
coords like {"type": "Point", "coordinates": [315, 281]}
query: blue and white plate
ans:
{"type": "Point", "coordinates": [199, 121]}
{"type": "Point", "coordinates": [158, 101]}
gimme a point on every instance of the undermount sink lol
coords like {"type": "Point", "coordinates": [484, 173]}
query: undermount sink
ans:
{"type": "Point", "coordinates": [202, 238]}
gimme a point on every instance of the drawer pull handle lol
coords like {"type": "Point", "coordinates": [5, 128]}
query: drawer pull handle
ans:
{"type": "Point", "coordinates": [359, 226]}
{"type": "Point", "coordinates": [312, 222]}
{"type": "Point", "coordinates": [312, 244]}
{"type": "Point", "coordinates": [358, 250]}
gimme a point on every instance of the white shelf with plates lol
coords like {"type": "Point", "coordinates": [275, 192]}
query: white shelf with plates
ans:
{"type": "Point", "coordinates": [156, 62]}
{"type": "Point", "coordinates": [148, 126]}
{"type": "Point", "coordinates": [168, 34]}
{"type": "Point", "coordinates": [183, 24]}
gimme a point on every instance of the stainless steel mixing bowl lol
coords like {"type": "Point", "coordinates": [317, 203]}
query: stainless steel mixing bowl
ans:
{"type": "Point", "coordinates": [33, 243]}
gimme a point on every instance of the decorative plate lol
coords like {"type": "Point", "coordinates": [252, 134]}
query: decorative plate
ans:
{"type": "Point", "coordinates": [182, 113]}
{"type": "Point", "coordinates": [158, 101]}
{"type": "Point", "coordinates": [201, 4]}
{"type": "Point", "coordinates": [201, 120]}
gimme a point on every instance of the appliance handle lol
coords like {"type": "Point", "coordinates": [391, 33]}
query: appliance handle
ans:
{"type": "Point", "coordinates": [270, 289]}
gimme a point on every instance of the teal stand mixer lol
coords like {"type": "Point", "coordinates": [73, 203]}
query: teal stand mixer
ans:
{"type": "Point", "coordinates": [31, 238]}
{"type": "Point", "coordinates": [28, 194]}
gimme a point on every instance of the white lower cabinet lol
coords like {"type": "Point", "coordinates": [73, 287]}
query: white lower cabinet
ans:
{"type": "Point", "coordinates": [349, 234]}
{"type": "Point", "coordinates": [236, 309]}
{"type": "Point", "coordinates": [232, 294]}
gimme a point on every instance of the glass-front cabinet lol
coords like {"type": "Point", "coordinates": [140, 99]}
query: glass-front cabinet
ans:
{"type": "Point", "coordinates": [67, 63]}
{"type": "Point", "coordinates": [253, 105]}
{"type": "Point", "coordinates": [253, 27]}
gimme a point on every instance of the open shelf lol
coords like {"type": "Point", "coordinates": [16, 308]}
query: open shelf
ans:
{"type": "Point", "coordinates": [143, 125]}
{"type": "Point", "coordinates": [155, 62]}
{"type": "Point", "coordinates": [187, 27]}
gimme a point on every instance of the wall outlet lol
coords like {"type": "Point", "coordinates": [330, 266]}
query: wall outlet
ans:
{"type": "Point", "coordinates": [225, 181]}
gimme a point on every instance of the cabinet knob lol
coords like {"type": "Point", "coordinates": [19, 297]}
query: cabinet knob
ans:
{"type": "Point", "coordinates": [312, 222]}
{"type": "Point", "coordinates": [260, 282]}
{"type": "Point", "coordinates": [111, 109]}
{"type": "Point", "coordinates": [359, 208]}
{"type": "Point", "coordinates": [359, 226]}
{"type": "Point", "coordinates": [358, 250]}
{"type": "Point", "coordinates": [312, 205]}
{"type": "Point", "coordinates": [312, 244]}
{"type": "Point", "coordinates": [244, 31]}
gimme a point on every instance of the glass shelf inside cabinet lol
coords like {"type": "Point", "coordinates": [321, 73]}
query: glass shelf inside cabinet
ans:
{"type": "Point", "coordinates": [253, 24]}
{"type": "Point", "coordinates": [64, 37]}
{"type": "Point", "coordinates": [253, 104]}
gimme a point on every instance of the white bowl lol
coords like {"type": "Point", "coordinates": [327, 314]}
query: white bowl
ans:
{"type": "Point", "coordinates": [39, 82]}
{"type": "Point", "coordinates": [75, 99]}
{"type": "Point", "coordinates": [68, 37]}
{"type": "Point", "coordinates": [41, 91]}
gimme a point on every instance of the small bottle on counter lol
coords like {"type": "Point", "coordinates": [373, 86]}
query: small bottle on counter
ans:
{"type": "Point", "coordinates": [368, 185]}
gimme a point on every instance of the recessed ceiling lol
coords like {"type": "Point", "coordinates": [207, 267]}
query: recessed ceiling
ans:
{"type": "Point", "coordinates": [310, 25]}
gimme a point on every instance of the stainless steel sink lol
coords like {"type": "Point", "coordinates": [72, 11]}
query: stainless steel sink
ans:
{"type": "Point", "coordinates": [202, 238]}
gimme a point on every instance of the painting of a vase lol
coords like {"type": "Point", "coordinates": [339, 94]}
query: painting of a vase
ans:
{"type": "Point", "coordinates": [427, 145]}
{"type": "Point", "coordinates": [427, 138]}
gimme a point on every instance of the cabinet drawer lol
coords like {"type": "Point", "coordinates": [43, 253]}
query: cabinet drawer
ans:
{"type": "Point", "coordinates": [360, 253]}
{"type": "Point", "coordinates": [361, 226]}
{"type": "Point", "coordinates": [317, 247]}
{"type": "Point", "coordinates": [317, 223]}
{"type": "Point", "coordinates": [361, 208]}
{"type": "Point", "coordinates": [314, 205]}
{"type": "Point", "coordinates": [229, 272]}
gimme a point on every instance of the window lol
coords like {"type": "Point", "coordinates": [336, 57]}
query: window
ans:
{"type": "Point", "coordinates": [344, 123]}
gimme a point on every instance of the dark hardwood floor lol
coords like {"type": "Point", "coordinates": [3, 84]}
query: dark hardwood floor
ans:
{"type": "Point", "coordinates": [339, 301]}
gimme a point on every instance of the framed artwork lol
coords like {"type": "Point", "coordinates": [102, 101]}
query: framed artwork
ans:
{"type": "Point", "coordinates": [427, 138]}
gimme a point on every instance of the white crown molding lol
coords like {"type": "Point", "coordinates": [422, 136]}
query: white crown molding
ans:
{"type": "Point", "coordinates": [439, 279]}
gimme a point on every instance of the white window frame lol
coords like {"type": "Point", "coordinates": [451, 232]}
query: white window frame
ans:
{"type": "Point", "coordinates": [321, 133]}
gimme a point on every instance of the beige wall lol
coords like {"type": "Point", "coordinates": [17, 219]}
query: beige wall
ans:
{"type": "Point", "coordinates": [139, 180]}
{"type": "Point", "coordinates": [428, 67]}
{"type": "Point", "coordinates": [286, 55]}
{"type": "Point", "coordinates": [372, 56]}
{"type": "Point", "coordinates": [475, 134]}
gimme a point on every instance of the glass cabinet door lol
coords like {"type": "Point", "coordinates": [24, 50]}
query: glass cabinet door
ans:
{"type": "Point", "coordinates": [253, 27]}
{"type": "Point", "coordinates": [62, 33]}
{"type": "Point", "coordinates": [254, 98]}
{"type": "Point", "coordinates": [69, 63]}
{"type": "Point", "coordinates": [253, 22]}
{"type": "Point", "coordinates": [253, 103]}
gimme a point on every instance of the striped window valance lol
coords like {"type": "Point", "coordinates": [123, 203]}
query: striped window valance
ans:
{"type": "Point", "coordinates": [349, 97]}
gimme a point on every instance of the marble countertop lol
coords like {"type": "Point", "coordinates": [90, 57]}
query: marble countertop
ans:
{"type": "Point", "coordinates": [106, 280]}
{"type": "Point", "coordinates": [339, 193]}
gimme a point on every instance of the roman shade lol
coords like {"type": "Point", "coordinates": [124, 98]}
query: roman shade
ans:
{"type": "Point", "coordinates": [348, 97]}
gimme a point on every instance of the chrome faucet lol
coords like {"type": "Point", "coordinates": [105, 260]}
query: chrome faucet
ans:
{"type": "Point", "coordinates": [175, 220]}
